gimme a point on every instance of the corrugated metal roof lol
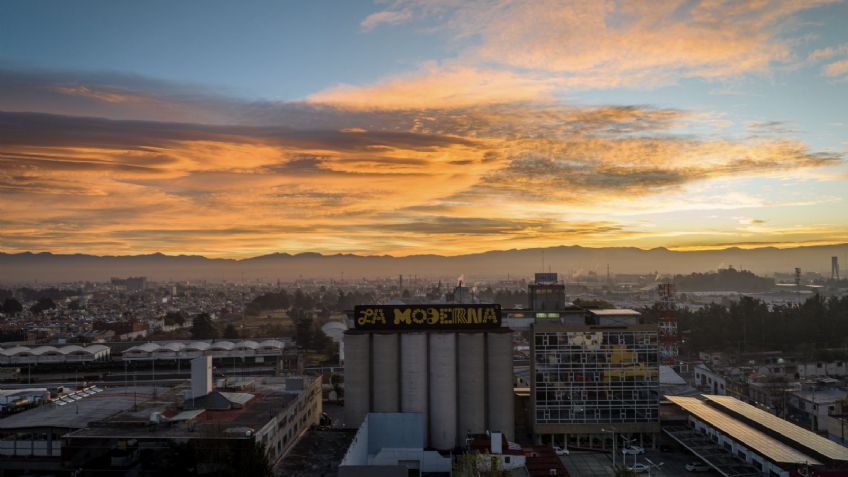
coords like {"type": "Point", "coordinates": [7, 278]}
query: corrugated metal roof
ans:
{"type": "Point", "coordinates": [803, 437]}
{"type": "Point", "coordinates": [743, 433]}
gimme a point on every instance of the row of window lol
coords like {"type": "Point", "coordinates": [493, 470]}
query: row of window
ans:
{"type": "Point", "coordinates": [596, 415]}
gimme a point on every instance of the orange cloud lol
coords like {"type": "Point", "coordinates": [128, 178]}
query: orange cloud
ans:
{"type": "Point", "coordinates": [602, 44]}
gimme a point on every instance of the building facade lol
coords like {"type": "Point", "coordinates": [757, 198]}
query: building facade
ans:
{"type": "Point", "coordinates": [590, 382]}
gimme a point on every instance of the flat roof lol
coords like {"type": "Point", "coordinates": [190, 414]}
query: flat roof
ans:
{"type": "Point", "coordinates": [614, 312]}
{"type": "Point", "coordinates": [78, 414]}
{"type": "Point", "coordinates": [804, 438]}
{"type": "Point", "coordinates": [760, 442]}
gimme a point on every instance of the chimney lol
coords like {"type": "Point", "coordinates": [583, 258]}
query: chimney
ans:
{"type": "Point", "coordinates": [201, 376]}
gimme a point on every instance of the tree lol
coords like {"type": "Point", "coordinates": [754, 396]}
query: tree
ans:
{"type": "Point", "coordinates": [303, 333]}
{"type": "Point", "coordinates": [42, 305]}
{"type": "Point", "coordinates": [174, 318]}
{"type": "Point", "coordinates": [12, 306]}
{"type": "Point", "coordinates": [230, 332]}
{"type": "Point", "coordinates": [202, 327]}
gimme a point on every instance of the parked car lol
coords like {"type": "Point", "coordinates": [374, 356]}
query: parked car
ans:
{"type": "Point", "coordinates": [560, 450]}
{"type": "Point", "coordinates": [639, 468]}
{"type": "Point", "coordinates": [632, 450]}
{"type": "Point", "coordinates": [697, 467]}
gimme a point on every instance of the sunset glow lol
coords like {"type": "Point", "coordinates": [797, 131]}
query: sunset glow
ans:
{"type": "Point", "coordinates": [487, 126]}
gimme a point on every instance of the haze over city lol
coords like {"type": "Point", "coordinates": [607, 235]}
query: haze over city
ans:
{"type": "Point", "coordinates": [409, 238]}
{"type": "Point", "coordinates": [235, 130]}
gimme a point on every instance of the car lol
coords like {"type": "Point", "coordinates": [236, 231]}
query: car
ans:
{"type": "Point", "coordinates": [697, 467]}
{"type": "Point", "coordinates": [633, 450]}
{"type": "Point", "coordinates": [639, 468]}
{"type": "Point", "coordinates": [560, 450]}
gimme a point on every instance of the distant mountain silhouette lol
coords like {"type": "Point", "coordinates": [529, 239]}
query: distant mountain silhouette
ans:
{"type": "Point", "coordinates": [48, 267]}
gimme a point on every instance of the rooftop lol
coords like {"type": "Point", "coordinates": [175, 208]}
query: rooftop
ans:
{"type": "Point", "coordinates": [762, 443]}
{"type": "Point", "coordinates": [789, 432]}
{"type": "Point", "coordinates": [78, 414]}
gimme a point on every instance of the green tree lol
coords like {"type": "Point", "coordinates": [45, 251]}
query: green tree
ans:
{"type": "Point", "coordinates": [42, 305]}
{"type": "Point", "coordinates": [230, 332]}
{"type": "Point", "coordinates": [174, 318]}
{"type": "Point", "coordinates": [202, 327]}
{"type": "Point", "coordinates": [12, 306]}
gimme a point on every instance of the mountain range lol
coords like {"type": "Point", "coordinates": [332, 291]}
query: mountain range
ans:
{"type": "Point", "coordinates": [568, 260]}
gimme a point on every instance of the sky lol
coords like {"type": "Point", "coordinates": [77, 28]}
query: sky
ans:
{"type": "Point", "coordinates": [236, 129]}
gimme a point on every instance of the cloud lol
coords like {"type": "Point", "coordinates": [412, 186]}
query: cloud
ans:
{"type": "Point", "coordinates": [604, 44]}
{"type": "Point", "coordinates": [827, 52]}
{"type": "Point", "coordinates": [384, 18]}
{"type": "Point", "coordinates": [448, 176]}
{"type": "Point", "coordinates": [837, 69]}
{"type": "Point", "coordinates": [440, 86]}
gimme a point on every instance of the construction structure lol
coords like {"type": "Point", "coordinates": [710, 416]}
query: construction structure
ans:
{"type": "Point", "coordinates": [450, 363]}
{"type": "Point", "coordinates": [669, 339]}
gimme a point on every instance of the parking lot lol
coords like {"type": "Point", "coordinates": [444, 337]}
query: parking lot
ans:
{"type": "Point", "coordinates": [596, 464]}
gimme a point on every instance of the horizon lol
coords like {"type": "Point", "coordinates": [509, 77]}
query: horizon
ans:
{"type": "Point", "coordinates": [421, 128]}
{"type": "Point", "coordinates": [343, 254]}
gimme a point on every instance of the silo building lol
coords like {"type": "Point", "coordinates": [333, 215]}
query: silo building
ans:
{"type": "Point", "coordinates": [451, 363]}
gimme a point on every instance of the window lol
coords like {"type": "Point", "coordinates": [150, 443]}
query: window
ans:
{"type": "Point", "coordinates": [506, 460]}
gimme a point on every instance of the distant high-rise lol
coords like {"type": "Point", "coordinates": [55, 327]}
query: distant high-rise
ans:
{"type": "Point", "coordinates": [546, 293]}
{"type": "Point", "coordinates": [834, 268]}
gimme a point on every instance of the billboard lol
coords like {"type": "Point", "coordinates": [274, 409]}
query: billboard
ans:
{"type": "Point", "coordinates": [426, 317]}
{"type": "Point", "coordinates": [546, 277]}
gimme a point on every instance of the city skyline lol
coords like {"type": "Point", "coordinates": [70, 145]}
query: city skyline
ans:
{"type": "Point", "coordinates": [413, 127]}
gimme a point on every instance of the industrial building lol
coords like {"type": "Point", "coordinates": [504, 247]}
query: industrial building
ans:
{"type": "Point", "coordinates": [450, 363]}
{"type": "Point", "coordinates": [18, 355]}
{"type": "Point", "coordinates": [738, 439]}
{"type": "Point", "coordinates": [392, 445]}
{"type": "Point", "coordinates": [137, 429]}
{"type": "Point", "coordinates": [256, 351]}
{"type": "Point", "coordinates": [594, 376]}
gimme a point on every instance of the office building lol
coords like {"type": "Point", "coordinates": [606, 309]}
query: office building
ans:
{"type": "Point", "coordinates": [594, 375]}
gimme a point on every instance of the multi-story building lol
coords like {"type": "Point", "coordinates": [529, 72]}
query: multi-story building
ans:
{"type": "Point", "coordinates": [593, 377]}
{"type": "Point", "coordinates": [592, 381]}
{"type": "Point", "coordinates": [546, 293]}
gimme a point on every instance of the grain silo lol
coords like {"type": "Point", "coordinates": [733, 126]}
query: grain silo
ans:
{"type": "Point", "coordinates": [443, 408]}
{"type": "Point", "coordinates": [357, 380]}
{"type": "Point", "coordinates": [386, 372]}
{"type": "Point", "coordinates": [471, 365]}
{"type": "Point", "coordinates": [452, 363]}
{"type": "Point", "coordinates": [499, 377]}
{"type": "Point", "coordinates": [413, 375]}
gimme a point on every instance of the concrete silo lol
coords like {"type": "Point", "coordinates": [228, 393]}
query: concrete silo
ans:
{"type": "Point", "coordinates": [384, 363]}
{"type": "Point", "coordinates": [413, 372]}
{"type": "Point", "coordinates": [471, 355]}
{"type": "Point", "coordinates": [357, 372]}
{"type": "Point", "coordinates": [501, 407]}
{"type": "Point", "coordinates": [443, 409]}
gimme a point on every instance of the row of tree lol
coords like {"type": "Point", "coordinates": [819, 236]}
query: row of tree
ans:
{"type": "Point", "coordinates": [750, 324]}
